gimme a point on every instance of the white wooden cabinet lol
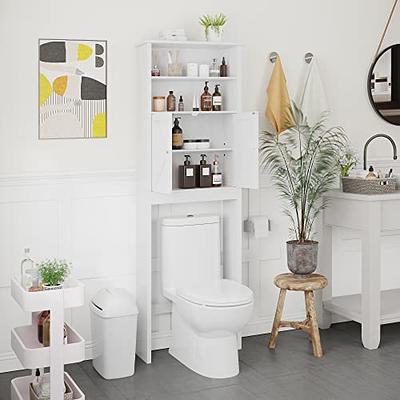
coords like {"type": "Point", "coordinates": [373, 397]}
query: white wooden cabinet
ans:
{"type": "Point", "coordinates": [233, 134]}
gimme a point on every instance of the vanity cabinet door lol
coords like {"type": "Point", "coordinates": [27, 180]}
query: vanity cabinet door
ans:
{"type": "Point", "coordinates": [245, 150]}
{"type": "Point", "coordinates": [161, 153]}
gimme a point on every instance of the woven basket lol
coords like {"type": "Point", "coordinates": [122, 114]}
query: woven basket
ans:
{"type": "Point", "coordinates": [368, 186]}
{"type": "Point", "coordinates": [68, 395]}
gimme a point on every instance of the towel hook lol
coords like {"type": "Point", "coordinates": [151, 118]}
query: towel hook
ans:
{"type": "Point", "coordinates": [308, 57]}
{"type": "Point", "coordinates": [273, 56]}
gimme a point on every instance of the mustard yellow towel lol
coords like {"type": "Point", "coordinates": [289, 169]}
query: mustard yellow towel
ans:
{"type": "Point", "coordinates": [279, 110]}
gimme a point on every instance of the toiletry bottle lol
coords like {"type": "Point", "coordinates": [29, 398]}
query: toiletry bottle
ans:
{"type": "Point", "coordinates": [27, 268]}
{"type": "Point", "coordinates": [42, 317]}
{"type": "Point", "coordinates": [171, 101]}
{"type": "Point", "coordinates": [223, 68]}
{"type": "Point", "coordinates": [214, 70]}
{"type": "Point", "coordinates": [177, 135]}
{"type": "Point", "coordinates": [187, 175]}
{"type": "Point", "coordinates": [371, 174]}
{"type": "Point", "coordinates": [155, 71]}
{"type": "Point", "coordinates": [206, 99]}
{"type": "Point", "coordinates": [195, 106]}
{"type": "Point", "coordinates": [204, 179]}
{"type": "Point", "coordinates": [216, 172]}
{"type": "Point", "coordinates": [217, 99]}
{"type": "Point", "coordinates": [181, 105]}
{"type": "Point", "coordinates": [46, 332]}
{"type": "Point", "coordinates": [37, 382]}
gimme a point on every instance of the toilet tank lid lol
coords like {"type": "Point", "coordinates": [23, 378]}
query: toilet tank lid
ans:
{"type": "Point", "coordinates": [190, 219]}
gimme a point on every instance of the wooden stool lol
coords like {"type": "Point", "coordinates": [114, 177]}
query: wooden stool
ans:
{"type": "Point", "coordinates": [306, 284]}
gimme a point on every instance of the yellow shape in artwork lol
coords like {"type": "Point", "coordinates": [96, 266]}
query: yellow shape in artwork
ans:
{"type": "Point", "coordinates": [60, 85]}
{"type": "Point", "coordinates": [45, 89]}
{"type": "Point", "coordinates": [99, 126]}
{"type": "Point", "coordinates": [84, 52]}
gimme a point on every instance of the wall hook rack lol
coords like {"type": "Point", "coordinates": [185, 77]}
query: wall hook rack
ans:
{"type": "Point", "coordinates": [308, 57]}
{"type": "Point", "coordinates": [273, 56]}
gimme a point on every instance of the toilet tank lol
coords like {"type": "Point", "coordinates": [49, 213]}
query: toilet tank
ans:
{"type": "Point", "coordinates": [190, 251]}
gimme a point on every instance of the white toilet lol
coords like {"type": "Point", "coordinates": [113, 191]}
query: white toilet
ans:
{"type": "Point", "coordinates": [208, 312]}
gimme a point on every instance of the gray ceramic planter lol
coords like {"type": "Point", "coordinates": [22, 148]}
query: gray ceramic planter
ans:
{"type": "Point", "coordinates": [302, 258]}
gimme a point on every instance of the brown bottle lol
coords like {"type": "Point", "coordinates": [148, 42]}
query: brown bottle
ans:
{"type": "Point", "coordinates": [187, 174]}
{"type": "Point", "coordinates": [217, 99]}
{"type": "Point", "coordinates": [171, 101]}
{"type": "Point", "coordinates": [46, 332]}
{"type": "Point", "coordinates": [206, 99]}
{"type": "Point", "coordinates": [177, 135]}
{"type": "Point", "coordinates": [205, 177]}
{"type": "Point", "coordinates": [223, 68]}
{"type": "Point", "coordinates": [42, 317]}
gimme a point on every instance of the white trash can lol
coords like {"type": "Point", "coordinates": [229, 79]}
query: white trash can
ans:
{"type": "Point", "coordinates": [114, 324]}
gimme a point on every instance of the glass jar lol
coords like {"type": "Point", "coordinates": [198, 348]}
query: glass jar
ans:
{"type": "Point", "coordinates": [159, 103]}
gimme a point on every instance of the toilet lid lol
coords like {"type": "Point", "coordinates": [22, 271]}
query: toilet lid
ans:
{"type": "Point", "coordinates": [221, 293]}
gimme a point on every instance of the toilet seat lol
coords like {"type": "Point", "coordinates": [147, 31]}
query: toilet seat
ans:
{"type": "Point", "coordinates": [222, 293]}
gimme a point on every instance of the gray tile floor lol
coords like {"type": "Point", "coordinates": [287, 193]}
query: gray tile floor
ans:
{"type": "Point", "coordinates": [347, 371]}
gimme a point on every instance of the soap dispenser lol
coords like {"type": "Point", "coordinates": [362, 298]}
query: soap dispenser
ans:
{"type": "Point", "coordinates": [187, 175]}
{"type": "Point", "coordinates": [205, 178]}
{"type": "Point", "coordinates": [206, 99]}
{"type": "Point", "coordinates": [217, 99]}
{"type": "Point", "coordinates": [177, 135]}
{"type": "Point", "coordinates": [216, 172]}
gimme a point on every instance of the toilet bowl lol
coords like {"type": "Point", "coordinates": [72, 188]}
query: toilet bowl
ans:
{"type": "Point", "coordinates": [208, 312]}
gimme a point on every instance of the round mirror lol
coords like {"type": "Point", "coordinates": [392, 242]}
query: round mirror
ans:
{"type": "Point", "coordinates": [384, 84]}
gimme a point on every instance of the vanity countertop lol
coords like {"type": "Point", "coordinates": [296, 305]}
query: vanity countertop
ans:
{"type": "Point", "coordinates": [338, 194]}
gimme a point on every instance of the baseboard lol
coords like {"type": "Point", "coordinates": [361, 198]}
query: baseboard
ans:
{"type": "Point", "coordinates": [9, 361]}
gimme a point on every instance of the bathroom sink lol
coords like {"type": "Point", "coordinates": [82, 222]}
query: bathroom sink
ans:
{"type": "Point", "coordinates": [368, 186]}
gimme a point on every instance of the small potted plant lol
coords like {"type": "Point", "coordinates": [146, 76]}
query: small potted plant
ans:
{"type": "Point", "coordinates": [213, 26]}
{"type": "Point", "coordinates": [347, 161]}
{"type": "Point", "coordinates": [303, 165]}
{"type": "Point", "coordinates": [53, 273]}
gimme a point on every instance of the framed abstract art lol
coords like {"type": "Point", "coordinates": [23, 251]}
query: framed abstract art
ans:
{"type": "Point", "coordinates": [72, 89]}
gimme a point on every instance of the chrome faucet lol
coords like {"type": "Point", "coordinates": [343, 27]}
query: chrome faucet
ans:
{"type": "Point", "coordinates": [383, 135]}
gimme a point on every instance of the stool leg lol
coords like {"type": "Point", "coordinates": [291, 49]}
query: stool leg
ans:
{"type": "Point", "coordinates": [310, 306]}
{"type": "Point", "coordinates": [277, 319]}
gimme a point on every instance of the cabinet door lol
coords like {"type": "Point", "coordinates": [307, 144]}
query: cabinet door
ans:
{"type": "Point", "coordinates": [245, 150]}
{"type": "Point", "coordinates": [161, 153]}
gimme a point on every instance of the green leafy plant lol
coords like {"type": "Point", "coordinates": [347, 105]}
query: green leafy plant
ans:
{"type": "Point", "coordinates": [303, 165]}
{"type": "Point", "coordinates": [215, 22]}
{"type": "Point", "coordinates": [347, 161]}
{"type": "Point", "coordinates": [53, 272]}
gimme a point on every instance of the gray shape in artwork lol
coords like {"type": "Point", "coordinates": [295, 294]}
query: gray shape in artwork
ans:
{"type": "Point", "coordinates": [99, 62]}
{"type": "Point", "coordinates": [99, 49]}
{"type": "Point", "coordinates": [91, 89]}
{"type": "Point", "coordinates": [52, 52]}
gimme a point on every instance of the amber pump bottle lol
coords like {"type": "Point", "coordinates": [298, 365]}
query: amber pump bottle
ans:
{"type": "Point", "coordinates": [206, 99]}
{"type": "Point", "coordinates": [177, 135]}
{"type": "Point", "coordinates": [223, 68]}
{"type": "Point", "coordinates": [217, 99]}
{"type": "Point", "coordinates": [205, 177]}
{"type": "Point", "coordinates": [187, 174]}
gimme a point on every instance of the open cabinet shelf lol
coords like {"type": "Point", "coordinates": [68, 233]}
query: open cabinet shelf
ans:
{"type": "Point", "coordinates": [210, 79]}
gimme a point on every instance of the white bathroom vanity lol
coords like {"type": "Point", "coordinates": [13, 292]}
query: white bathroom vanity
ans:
{"type": "Point", "coordinates": [371, 216]}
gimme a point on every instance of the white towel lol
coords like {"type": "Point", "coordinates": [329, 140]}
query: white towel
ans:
{"type": "Point", "coordinates": [311, 98]}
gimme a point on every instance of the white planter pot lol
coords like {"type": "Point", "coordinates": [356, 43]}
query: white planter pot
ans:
{"type": "Point", "coordinates": [214, 35]}
{"type": "Point", "coordinates": [49, 287]}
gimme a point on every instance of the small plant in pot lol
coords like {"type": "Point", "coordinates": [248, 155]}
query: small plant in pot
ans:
{"type": "Point", "coordinates": [53, 273]}
{"type": "Point", "coordinates": [213, 26]}
{"type": "Point", "coordinates": [303, 164]}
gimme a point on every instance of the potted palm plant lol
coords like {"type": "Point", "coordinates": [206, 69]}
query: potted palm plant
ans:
{"type": "Point", "coordinates": [53, 273]}
{"type": "Point", "coordinates": [303, 164]}
{"type": "Point", "coordinates": [213, 26]}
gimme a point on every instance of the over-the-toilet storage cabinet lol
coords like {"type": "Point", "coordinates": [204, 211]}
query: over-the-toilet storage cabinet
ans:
{"type": "Point", "coordinates": [234, 137]}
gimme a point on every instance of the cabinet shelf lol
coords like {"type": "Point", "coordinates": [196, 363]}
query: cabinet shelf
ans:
{"type": "Point", "coordinates": [195, 113]}
{"type": "Point", "coordinates": [20, 388]}
{"type": "Point", "coordinates": [190, 44]}
{"type": "Point", "coordinates": [216, 150]}
{"type": "Point", "coordinates": [193, 78]}
{"type": "Point", "coordinates": [73, 292]}
{"type": "Point", "coordinates": [32, 354]}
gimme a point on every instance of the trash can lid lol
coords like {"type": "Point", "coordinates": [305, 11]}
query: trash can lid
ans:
{"type": "Point", "coordinates": [113, 302]}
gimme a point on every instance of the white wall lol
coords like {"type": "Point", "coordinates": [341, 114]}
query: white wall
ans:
{"type": "Point", "coordinates": [342, 34]}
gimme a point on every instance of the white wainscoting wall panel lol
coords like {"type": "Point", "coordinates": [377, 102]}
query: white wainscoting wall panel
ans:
{"type": "Point", "coordinates": [87, 218]}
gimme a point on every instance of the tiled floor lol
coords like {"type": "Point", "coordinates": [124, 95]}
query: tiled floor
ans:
{"type": "Point", "coordinates": [347, 371]}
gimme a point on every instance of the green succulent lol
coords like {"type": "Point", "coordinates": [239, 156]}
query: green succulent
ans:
{"type": "Point", "coordinates": [215, 22]}
{"type": "Point", "coordinates": [53, 272]}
